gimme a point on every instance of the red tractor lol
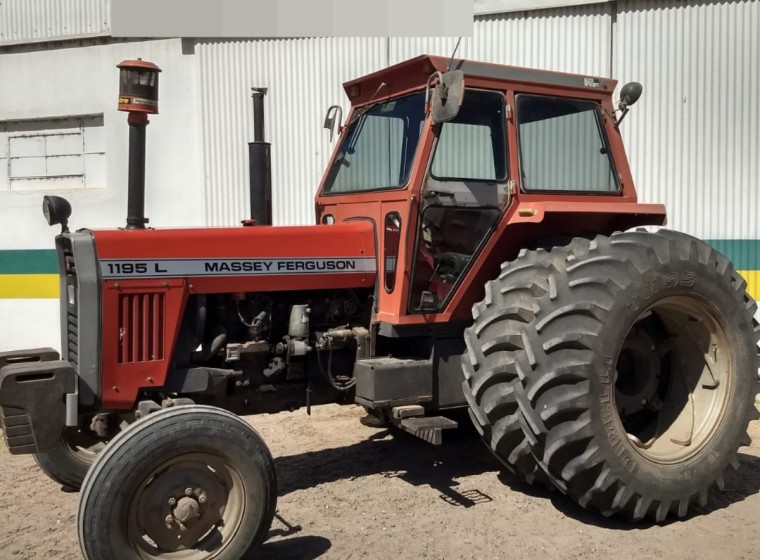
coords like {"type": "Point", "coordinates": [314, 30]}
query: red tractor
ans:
{"type": "Point", "coordinates": [478, 245]}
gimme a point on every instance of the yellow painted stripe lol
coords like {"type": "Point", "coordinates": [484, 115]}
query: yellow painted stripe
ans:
{"type": "Point", "coordinates": [28, 286]}
{"type": "Point", "coordinates": [753, 282]}
{"type": "Point", "coordinates": [35, 286]}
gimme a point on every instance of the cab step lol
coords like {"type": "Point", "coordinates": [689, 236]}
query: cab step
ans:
{"type": "Point", "coordinates": [411, 419]}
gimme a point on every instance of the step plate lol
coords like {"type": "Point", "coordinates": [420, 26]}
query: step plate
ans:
{"type": "Point", "coordinates": [428, 428]}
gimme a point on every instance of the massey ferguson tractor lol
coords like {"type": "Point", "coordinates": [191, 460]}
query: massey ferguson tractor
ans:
{"type": "Point", "coordinates": [478, 244]}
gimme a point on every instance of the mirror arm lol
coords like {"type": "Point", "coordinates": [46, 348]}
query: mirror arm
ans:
{"type": "Point", "coordinates": [622, 116]}
{"type": "Point", "coordinates": [428, 89]}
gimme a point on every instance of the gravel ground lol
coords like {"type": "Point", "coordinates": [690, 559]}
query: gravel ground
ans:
{"type": "Point", "coordinates": [351, 491]}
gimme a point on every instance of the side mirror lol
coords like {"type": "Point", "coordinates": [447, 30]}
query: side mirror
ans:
{"type": "Point", "coordinates": [629, 94]}
{"type": "Point", "coordinates": [334, 115]}
{"type": "Point", "coordinates": [447, 95]}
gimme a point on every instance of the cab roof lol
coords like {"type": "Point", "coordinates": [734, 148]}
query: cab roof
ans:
{"type": "Point", "coordinates": [415, 72]}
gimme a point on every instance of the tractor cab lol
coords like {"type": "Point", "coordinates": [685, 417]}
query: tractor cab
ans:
{"type": "Point", "coordinates": [437, 153]}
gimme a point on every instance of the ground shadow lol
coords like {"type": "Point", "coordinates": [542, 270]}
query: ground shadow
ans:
{"type": "Point", "coordinates": [739, 485]}
{"type": "Point", "coordinates": [395, 454]}
{"type": "Point", "coordinates": [295, 548]}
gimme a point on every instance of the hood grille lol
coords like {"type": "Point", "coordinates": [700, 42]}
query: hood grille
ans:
{"type": "Point", "coordinates": [141, 327]}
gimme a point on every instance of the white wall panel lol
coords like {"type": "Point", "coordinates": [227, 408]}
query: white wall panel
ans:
{"type": "Point", "coordinates": [572, 39]}
{"type": "Point", "coordinates": [304, 77]}
{"type": "Point", "coordinates": [694, 137]}
{"type": "Point", "coordinates": [24, 21]}
{"type": "Point", "coordinates": [88, 84]}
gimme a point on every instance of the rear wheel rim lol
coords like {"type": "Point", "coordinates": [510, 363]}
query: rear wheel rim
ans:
{"type": "Point", "coordinates": [201, 492]}
{"type": "Point", "coordinates": [673, 379]}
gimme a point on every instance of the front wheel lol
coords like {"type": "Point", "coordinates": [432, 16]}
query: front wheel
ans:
{"type": "Point", "coordinates": [189, 482]}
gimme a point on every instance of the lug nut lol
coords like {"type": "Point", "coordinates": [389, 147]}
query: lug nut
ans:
{"type": "Point", "coordinates": [188, 491]}
{"type": "Point", "coordinates": [202, 498]}
{"type": "Point", "coordinates": [172, 501]}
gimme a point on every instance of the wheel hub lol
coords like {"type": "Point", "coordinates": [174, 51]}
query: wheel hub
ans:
{"type": "Point", "coordinates": [184, 503]}
{"type": "Point", "coordinates": [638, 372]}
{"type": "Point", "coordinates": [187, 510]}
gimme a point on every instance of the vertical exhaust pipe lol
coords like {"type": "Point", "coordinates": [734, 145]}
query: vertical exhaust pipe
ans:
{"type": "Point", "coordinates": [260, 164]}
{"type": "Point", "coordinates": [138, 96]}
{"type": "Point", "coordinates": [136, 181]}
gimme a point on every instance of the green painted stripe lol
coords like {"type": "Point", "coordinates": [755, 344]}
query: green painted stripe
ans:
{"type": "Point", "coordinates": [743, 253]}
{"type": "Point", "coordinates": [28, 261]}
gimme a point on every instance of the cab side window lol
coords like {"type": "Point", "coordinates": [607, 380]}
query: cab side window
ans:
{"type": "Point", "coordinates": [563, 146]}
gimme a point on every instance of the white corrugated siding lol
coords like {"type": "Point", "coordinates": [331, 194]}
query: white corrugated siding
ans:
{"type": "Point", "coordinates": [565, 40]}
{"type": "Point", "coordinates": [304, 77]}
{"type": "Point", "coordinates": [694, 137]}
{"type": "Point", "coordinates": [24, 21]}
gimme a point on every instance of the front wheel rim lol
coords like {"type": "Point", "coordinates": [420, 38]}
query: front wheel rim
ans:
{"type": "Point", "coordinates": [188, 507]}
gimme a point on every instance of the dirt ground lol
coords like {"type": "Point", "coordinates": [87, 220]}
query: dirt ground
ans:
{"type": "Point", "coordinates": [351, 491]}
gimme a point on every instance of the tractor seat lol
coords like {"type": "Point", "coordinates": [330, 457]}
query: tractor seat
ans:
{"type": "Point", "coordinates": [450, 265]}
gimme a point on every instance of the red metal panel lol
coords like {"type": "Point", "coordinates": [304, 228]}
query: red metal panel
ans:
{"type": "Point", "coordinates": [138, 358]}
{"type": "Point", "coordinates": [338, 240]}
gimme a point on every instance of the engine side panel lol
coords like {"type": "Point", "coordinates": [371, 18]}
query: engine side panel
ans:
{"type": "Point", "coordinates": [148, 277]}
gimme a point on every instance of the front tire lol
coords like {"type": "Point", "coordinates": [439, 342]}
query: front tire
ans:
{"type": "Point", "coordinates": [638, 374]}
{"type": "Point", "coordinates": [187, 482]}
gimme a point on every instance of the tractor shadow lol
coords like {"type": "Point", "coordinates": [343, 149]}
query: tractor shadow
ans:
{"type": "Point", "coordinates": [739, 485]}
{"type": "Point", "coordinates": [307, 547]}
{"type": "Point", "coordinates": [393, 453]}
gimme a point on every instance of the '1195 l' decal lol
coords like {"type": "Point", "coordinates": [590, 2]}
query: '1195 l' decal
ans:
{"type": "Point", "coordinates": [176, 268]}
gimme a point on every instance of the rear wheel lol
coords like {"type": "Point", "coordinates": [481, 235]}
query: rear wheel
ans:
{"type": "Point", "coordinates": [489, 364]}
{"type": "Point", "coordinates": [638, 373]}
{"type": "Point", "coordinates": [189, 482]}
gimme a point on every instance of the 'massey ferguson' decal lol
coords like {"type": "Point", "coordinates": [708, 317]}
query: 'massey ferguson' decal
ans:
{"type": "Point", "coordinates": [176, 268]}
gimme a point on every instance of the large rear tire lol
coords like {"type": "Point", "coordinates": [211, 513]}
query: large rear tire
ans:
{"type": "Point", "coordinates": [492, 344]}
{"type": "Point", "coordinates": [188, 482]}
{"type": "Point", "coordinates": [638, 373]}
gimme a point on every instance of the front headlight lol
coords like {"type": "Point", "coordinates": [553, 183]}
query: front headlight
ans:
{"type": "Point", "coordinates": [56, 210]}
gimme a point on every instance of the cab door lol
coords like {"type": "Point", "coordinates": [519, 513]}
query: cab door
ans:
{"type": "Point", "coordinates": [464, 194]}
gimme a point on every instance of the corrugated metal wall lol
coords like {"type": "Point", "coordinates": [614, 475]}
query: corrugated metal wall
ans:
{"type": "Point", "coordinates": [694, 138]}
{"type": "Point", "coordinates": [23, 21]}
{"type": "Point", "coordinates": [304, 77]}
{"type": "Point", "coordinates": [567, 40]}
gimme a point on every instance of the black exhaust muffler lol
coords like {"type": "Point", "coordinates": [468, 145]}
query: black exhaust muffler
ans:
{"type": "Point", "coordinates": [260, 164]}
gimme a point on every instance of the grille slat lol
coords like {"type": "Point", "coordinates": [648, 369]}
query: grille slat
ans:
{"type": "Point", "coordinates": [72, 312]}
{"type": "Point", "coordinates": [141, 324]}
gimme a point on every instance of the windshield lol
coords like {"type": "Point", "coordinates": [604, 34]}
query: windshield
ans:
{"type": "Point", "coordinates": [378, 149]}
